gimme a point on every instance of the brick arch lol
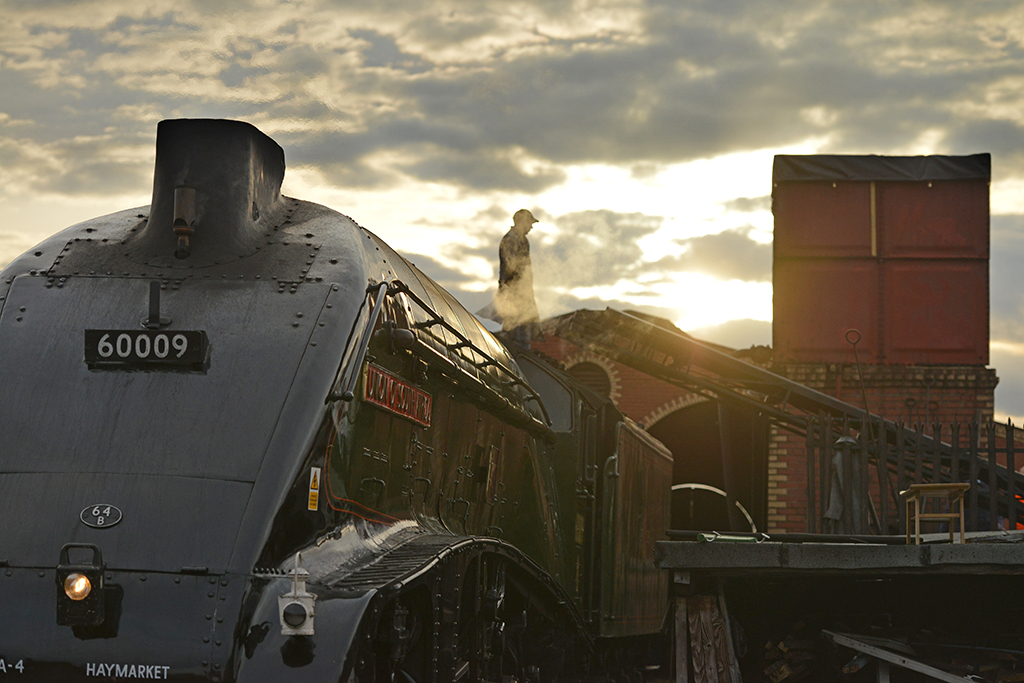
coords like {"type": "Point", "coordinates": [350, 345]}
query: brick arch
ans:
{"type": "Point", "coordinates": [614, 378]}
{"type": "Point", "coordinates": [670, 407]}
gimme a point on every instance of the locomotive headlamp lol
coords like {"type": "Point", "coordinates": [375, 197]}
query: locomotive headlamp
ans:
{"type": "Point", "coordinates": [77, 586]}
{"type": "Point", "coordinates": [81, 597]}
{"type": "Point", "coordinates": [294, 614]}
{"type": "Point", "coordinates": [296, 606]}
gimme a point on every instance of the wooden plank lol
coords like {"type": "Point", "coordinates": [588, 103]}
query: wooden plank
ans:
{"type": "Point", "coordinates": [993, 483]}
{"type": "Point", "coordinates": [973, 446]}
{"type": "Point", "coordinates": [682, 645]}
{"type": "Point", "coordinates": [825, 471]}
{"type": "Point", "coordinates": [955, 458]}
{"type": "Point", "coordinates": [901, 473]}
{"type": "Point", "coordinates": [882, 467]}
{"type": "Point", "coordinates": [939, 515]}
{"type": "Point", "coordinates": [849, 486]}
{"type": "Point", "coordinates": [702, 640]}
{"type": "Point", "coordinates": [935, 452]}
{"type": "Point", "coordinates": [938, 489]}
{"type": "Point", "coordinates": [894, 658]}
{"type": "Point", "coordinates": [812, 505]}
{"type": "Point", "coordinates": [720, 631]}
{"type": "Point", "coordinates": [1011, 486]}
{"type": "Point", "coordinates": [864, 523]}
{"type": "Point", "coordinates": [918, 453]}
{"type": "Point", "coordinates": [734, 665]}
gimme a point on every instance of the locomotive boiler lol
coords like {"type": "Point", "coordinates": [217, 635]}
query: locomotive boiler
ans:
{"type": "Point", "coordinates": [242, 439]}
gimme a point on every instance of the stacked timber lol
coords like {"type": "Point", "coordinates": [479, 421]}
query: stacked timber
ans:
{"type": "Point", "coordinates": [793, 657]}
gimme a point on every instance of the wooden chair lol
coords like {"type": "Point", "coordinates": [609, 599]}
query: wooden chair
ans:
{"type": "Point", "coordinates": [954, 495]}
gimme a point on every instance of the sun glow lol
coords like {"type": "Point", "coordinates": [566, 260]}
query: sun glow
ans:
{"type": "Point", "coordinates": [703, 301]}
{"type": "Point", "coordinates": [690, 200]}
{"type": "Point", "coordinates": [691, 300]}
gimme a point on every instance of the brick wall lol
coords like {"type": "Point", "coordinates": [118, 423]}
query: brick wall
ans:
{"type": "Point", "coordinates": [641, 397]}
{"type": "Point", "coordinates": [912, 394]}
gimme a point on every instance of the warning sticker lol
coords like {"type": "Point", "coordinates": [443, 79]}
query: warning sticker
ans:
{"type": "Point", "coordinates": [314, 488]}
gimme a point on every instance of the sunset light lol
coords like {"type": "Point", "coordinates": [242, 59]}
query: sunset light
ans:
{"type": "Point", "coordinates": [641, 136]}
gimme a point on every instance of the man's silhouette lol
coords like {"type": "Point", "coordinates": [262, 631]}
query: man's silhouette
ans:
{"type": "Point", "coordinates": [515, 303]}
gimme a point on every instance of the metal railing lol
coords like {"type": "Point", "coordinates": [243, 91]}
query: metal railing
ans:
{"type": "Point", "coordinates": [855, 475]}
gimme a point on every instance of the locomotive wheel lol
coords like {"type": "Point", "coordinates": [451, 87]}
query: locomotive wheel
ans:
{"type": "Point", "coordinates": [503, 635]}
{"type": "Point", "coordinates": [485, 592]}
{"type": "Point", "coordinates": [471, 620]}
{"type": "Point", "coordinates": [401, 648]}
{"type": "Point", "coordinates": [463, 609]}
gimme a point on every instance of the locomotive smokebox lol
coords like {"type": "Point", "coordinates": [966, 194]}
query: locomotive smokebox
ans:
{"type": "Point", "coordinates": [216, 194]}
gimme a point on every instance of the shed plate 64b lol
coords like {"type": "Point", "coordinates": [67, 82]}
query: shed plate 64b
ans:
{"type": "Point", "coordinates": [100, 516]}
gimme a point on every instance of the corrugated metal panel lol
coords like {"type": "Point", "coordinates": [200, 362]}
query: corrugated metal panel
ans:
{"type": "Point", "coordinates": [934, 219]}
{"type": "Point", "coordinates": [817, 301]}
{"type": "Point", "coordinates": [822, 219]}
{"type": "Point", "coordinates": [936, 312]}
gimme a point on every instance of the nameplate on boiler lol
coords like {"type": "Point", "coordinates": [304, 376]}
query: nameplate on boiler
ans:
{"type": "Point", "coordinates": [395, 395]}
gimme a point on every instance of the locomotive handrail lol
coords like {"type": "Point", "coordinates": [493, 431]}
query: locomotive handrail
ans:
{"type": "Point", "coordinates": [460, 377]}
{"type": "Point", "coordinates": [399, 287]}
{"type": "Point", "coordinates": [393, 287]}
{"type": "Point", "coordinates": [364, 344]}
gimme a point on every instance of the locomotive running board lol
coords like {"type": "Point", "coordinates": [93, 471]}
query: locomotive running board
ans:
{"type": "Point", "coordinates": [416, 558]}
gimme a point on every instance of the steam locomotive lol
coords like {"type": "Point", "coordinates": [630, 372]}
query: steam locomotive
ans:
{"type": "Point", "coordinates": [242, 439]}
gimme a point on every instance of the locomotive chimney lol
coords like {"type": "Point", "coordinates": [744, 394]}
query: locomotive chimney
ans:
{"type": "Point", "coordinates": [216, 194]}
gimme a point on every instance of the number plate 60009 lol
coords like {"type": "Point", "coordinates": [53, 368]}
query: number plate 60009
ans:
{"type": "Point", "coordinates": [146, 348]}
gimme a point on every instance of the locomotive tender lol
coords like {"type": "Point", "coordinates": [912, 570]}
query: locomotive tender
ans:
{"type": "Point", "coordinates": [242, 439]}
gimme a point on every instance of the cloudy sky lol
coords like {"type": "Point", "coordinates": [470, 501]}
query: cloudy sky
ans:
{"type": "Point", "coordinates": [640, 133]}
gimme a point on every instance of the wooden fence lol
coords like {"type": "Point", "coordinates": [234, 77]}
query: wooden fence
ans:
{"type": "Point", "coordinates": [855, 475]}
